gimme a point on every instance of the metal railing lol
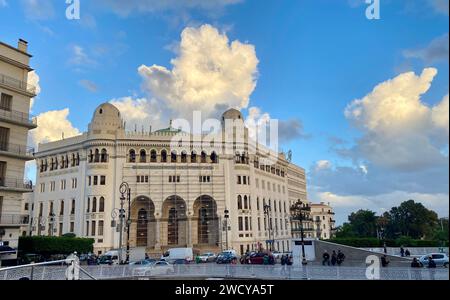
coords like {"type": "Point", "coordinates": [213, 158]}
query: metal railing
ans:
{"type": "Point", "coordinates": [18, 84]}
{"type": "Point", "coordinates": [48, 271]}
{"type": "Point", "coordinates": [18, 116]}
{"type": "Point", "coordinates": [16, 183]}
{"type": "Point", "coordinates": [17, 149]}
{"type": "Point", "coordinates": [15, 219]}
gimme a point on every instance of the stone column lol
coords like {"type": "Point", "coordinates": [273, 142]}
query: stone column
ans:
{"type": "Point", "coordinates": [158, 234]}
{"type": "Point", "coordinates": [189, 232]}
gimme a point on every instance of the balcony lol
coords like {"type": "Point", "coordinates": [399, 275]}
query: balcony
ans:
{"type": "Point", "coordinates": [14, 220]}
{"type": "Point", "coordinates": [19, 118]}
{"type": "Point", "coordinates": [16, 184]}
{"type": "Point", "coordinates": [18, 85]}
{"type": "Point", "coordinates": [17, 150]}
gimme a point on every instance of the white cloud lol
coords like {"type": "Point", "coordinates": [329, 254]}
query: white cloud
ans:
{"type": "Point", "coordinates": [437, 50]}
{"type": "Point", "coordinates": [33, 79]}
{"type": "Point", "coordinates": [3, 3]}
{"type": "Point", "coordinates": [88, 85]}
{"type": "Point", "coordinates": [322, 165]}
{"type": "Point", "coordinates": [124, 8]}
{"type": "Point", "coordinates": [209, 74]}
{"type": "Point", "coordinates": [399, 130]}
{"type": "Point", "coordinates": [79, 57]}
{"type": "Point", "coordinates": [38, 9]}
{"type": "Point", "coordinates": [52, 126]}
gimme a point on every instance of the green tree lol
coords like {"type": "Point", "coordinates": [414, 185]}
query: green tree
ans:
{"type": "Point", "coordinates": [363, 223]}
{"type": "Point", "coordinates": [411, 219]}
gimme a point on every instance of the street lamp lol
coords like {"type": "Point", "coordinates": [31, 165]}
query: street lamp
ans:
{"type": "Point", "coordinates": [125, 194]}
{"type": "Point", "coordinates": [226, 216]}
{"type": "Point", "coordinates": [267, 210]}
{"type": "Point", "coordinates": [297, 213]}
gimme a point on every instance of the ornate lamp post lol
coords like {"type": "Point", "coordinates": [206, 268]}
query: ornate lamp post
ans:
{"type": "Point", "coordinates": [267, 210]}
{"type": "Point", "coordinates": [226, 216]}
{"type": "Point", "coordinates": [298, 213]}
{"type": "Point", "coordinates": [125, 194]}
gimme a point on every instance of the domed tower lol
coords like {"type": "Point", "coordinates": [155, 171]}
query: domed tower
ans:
{"type": "Point", "coordinates": [232, 114]}
{"type": "Point", "coordinates": [106, 120]}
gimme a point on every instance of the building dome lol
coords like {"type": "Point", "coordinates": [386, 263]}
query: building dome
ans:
{"type": "Point", "coordinates": [232, 114]}
{"type": "Point", "coordinates": [106, 119]}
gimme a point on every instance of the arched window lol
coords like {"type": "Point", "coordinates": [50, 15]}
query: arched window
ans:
{"type": "Point", "coordinates": [163, 156]}
{"type": "Point", "coordinates": [97, 156]}
{"type": "Point", "coordinates": [78, 159]}
{"type": "Point", "coordinates": [173, 157]}
{"type": "Point", "coordinates": [153, 156]}
{"type": "Point", "coordinates": [184, 157]}
{"type": "Point", "coordinates": [214, 158]}
{"type": "Point", "coordinates": [142, 156]}
{"type": "Point", "coordinates": [193, 157]}
{"type": "Point", "coordinates": [101, 205]}
{"type": "Point", "coordinates": [203, 159]}
{"type": "Point", "coordinates": [66, 162]}
{"type": "Point", "coordinates": [132, 156]}
{"type": "Point", "coordinates": [104, 156]}
{"type": "Point", "coordinates": [239, 202]}
{"type": "Point", "coordinates": [94, 204]}
{"type": "Point", "coordinates": [245, 202]}
{"type": "Point", "coordinates": [62, 162]}
{"type": "Point", "coordinates": [73, 159]}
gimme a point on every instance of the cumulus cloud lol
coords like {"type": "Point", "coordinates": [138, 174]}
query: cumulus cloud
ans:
{"type": "Point", "coordinates": [124, 8]}
{"type": "Point", "coordinates": [209, 72]}
{"type": "Point", "coordinates": [399, 130]}
{"type": "Point", "coordinates": [38, 9]}
{"type": "Point", "coordinates": [436, 51]}
{"type": "Point", "coordinates": [79, 57]}
{"type": "Point", "coordinates": [33, 79]}
{"type": "Point", "coordinates": [88, 85]}
{"type": "Point", "coordinates": [399, 156]}
{"type": "Point", "coordinates": [53, 125]}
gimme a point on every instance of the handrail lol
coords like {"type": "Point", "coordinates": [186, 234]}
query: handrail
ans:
{"type": "Point", "coordinates": [18, 84]}
{"type": "Point", "coordinates": [18, 116]}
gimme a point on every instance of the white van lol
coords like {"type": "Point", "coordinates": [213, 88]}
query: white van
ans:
{"type": "Point", "coordinates": [178, 253]}
{"type": "Point", "coordinates": [111, 257]}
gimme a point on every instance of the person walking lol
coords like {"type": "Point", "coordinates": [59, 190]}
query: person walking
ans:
{"type": "Point", "coordinates": [432, 267]}
{"type": "Point", "coordinates": [416, 266]}
{"type": "Point", "coordinates": [283, 265]}
{"type": "Point", "coordinates": [384, 261]}
{"type": "Point", "coordinates": [340, 257]}
{"type": "Point", "coordinates": [333, 258]}
{"type": "Point", "coordinates": [402, 251]}
{"type": "Point", "coordinates": [326, 258]}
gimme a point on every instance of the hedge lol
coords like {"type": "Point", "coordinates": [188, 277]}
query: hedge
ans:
{"type": "Point", "coordinates": [376, 243]}
{"type": "Point", "coordinates": [46, 245]}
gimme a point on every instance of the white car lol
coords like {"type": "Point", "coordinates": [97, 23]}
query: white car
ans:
{"type": "Point", "coordinates": [159, 268]}
{"type": "Point", "coordinates": [207, 257]}
{"type": "Point", "coordinates": [441, 259]}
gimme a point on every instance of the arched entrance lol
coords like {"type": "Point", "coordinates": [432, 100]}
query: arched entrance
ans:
{"type": "Point", "coordinates": [143, 223]}
{"type": "Point", "coordinates": [207, 221]}
{"type": "Point", "coordinates": [175, 221]}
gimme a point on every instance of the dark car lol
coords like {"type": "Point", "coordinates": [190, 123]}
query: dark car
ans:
{"type": "Point", "coordinates": [225, 258]}
{"type": "Point", "coordinates": [179, 262]}
{"type": "Point", "coordinates": [258, 258]}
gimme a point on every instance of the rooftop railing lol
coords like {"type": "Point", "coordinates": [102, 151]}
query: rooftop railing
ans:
{"type": "Point", "coordinates": [18, 84]}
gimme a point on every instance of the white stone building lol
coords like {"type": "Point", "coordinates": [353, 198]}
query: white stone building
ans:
{"type": "Point", "coordinates": [15, 122]}
{"type": "Point", "coordinates": [323, 221]}
{"type": "Point", "coordinates": [178, 196]}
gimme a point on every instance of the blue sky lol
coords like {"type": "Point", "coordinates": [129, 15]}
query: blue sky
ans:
{"type": "Point", "coordinates": [314, 59]}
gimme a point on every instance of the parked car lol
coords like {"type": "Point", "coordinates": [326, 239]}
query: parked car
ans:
{"type": "Point", "coordinates": [143, 262]}
{"type": "Point", "coordinates": [258, 258]}
{"type": "Point", "coordinates": [178, 253]}
{"type": "Point", "coordinates": [441, 259]}
{"type": "Point", "coordinates": [277, 255]}
{"type": "Point", "coordinates": [207, 257]}
{"type": "Point", "coordinates": [225, 258]}
{"type": "Point", "coordinates": [159, 268]}
{"type": "Point", "coordinates": [179, 262]}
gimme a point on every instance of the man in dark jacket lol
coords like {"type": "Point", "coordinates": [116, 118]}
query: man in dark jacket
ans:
{"type": "Point", "coordinates": [333, 258]}
{"type": "Point", "coordinates": [384, 261]}
{"type": "Point", "coordinates": [340, 257]}
{"type": "Point", "coordinates": [326, 258]}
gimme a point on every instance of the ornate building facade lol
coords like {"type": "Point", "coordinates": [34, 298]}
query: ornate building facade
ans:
{"type": "Point", "coordinates": [189, 196]}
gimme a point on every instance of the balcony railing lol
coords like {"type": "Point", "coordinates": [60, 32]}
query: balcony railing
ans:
{"type": "Point", "coordinates": [16, 183]}
{"type": "Point", "coordinates": [18, 116]}
{"type": "Point", "coordinates": [17, 149]}
{"type": "Point", "coordinates": [17, 84]}
{"type": "Point", "coordinates": [14, 219]}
